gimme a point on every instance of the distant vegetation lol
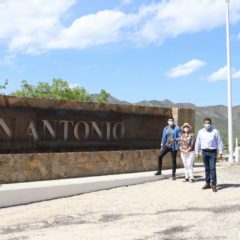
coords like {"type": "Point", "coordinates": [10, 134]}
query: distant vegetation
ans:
{"type": "Point", "coordinates": [4, 85]}
{"type": "Point", "coordinates": [57, 89]}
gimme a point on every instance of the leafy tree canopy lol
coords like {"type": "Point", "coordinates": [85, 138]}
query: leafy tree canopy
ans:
{"type": "Point", "coordinates": [58, 89]}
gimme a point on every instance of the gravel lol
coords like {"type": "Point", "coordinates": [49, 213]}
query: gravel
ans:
{"type": "Point", "coordinates": [165, 209]}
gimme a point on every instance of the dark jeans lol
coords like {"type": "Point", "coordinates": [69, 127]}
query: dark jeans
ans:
{"type": "Point", "coordinates": [163, 152]}
{"type": "Point", "coordinates": [210, 159]}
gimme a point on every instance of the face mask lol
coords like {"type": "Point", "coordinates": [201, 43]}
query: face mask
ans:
{"type": "Point", "coordinates": [208, 126]}
{"type": "Point", "coordinates": [186, 129]}
{"type": "Point", "coordinates": [170, 123]}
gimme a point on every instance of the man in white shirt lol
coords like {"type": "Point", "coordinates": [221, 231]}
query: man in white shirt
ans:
{"type": "Point", "coordinates": [209, 142]}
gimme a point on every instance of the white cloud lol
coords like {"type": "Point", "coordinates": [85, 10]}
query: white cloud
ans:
{"type": "Point", "coordinates": [153, 23]}
{"type": "Point", "coordinates": [236, 74]}
{"type": "Point", "coordinates": [174, 17]}
{"type": "Point", "coordinates": [34, 26]}
{"type": "Point", "coordinates": [221, 74]}
{"type": "Point", "coordinates": [126, 2]}
{"type": "Point", "coordinates": [28, 25]}
{"type": "Point", "coordinates": [186, 68]}
{"type": "Point", "coordinates": [90, 30]}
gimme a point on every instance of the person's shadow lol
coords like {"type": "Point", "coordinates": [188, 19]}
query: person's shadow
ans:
{"type": "Point", "coordinates": [228, 185]}
{"type": "Point", "coordinates": [197, 178]}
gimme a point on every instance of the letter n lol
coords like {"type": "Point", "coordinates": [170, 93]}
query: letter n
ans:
{"type": "Point", "coordinates": [48, 126]}
{"type": "Point", "coordinates": [5, 128]}
{"type": "Point", "coordinates": [32, 131]}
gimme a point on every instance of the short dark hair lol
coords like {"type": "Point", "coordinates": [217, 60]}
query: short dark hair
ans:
{"type": "Point", "coordinates": [207, 119]}
{"type": "Point", "coordinates": [171, 117]}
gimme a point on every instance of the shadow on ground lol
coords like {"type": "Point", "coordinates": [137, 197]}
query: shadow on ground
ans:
{"type": "Point", "coordinates": [227, 185]}
{"type": "Point", "coordinates": [79, 219]}
{"type": "Point", "coordinates": [198, 178]}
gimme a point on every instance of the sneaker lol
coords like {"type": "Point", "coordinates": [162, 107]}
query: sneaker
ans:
{"type": "Point", "coordinates": [186, 180]}
{"type": "Point", "coordinates": [191, 180]}
{"type": "Point", "coordinates": [173, 178]}
{"type": "Point", "coordinates": [158, 173]}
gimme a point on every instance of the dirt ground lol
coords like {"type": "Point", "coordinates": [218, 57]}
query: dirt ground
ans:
{"type": "Point", "coordinates": [164, 209]}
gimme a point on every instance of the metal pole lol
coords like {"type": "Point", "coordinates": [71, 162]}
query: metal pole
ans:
{"type": "Point", "coordinates": [236, 151]}
{"type": "Point", "coordinates": [230, 128]}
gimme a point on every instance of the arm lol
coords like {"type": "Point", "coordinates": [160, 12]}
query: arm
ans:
{"type": "Point", "coordinates": [163, 137]}
{"type": "Point", "coordinates": [193, 141]}
{"type": "Point", "coordinates": [180, 144]}
{"type": "Point", "coordinates": [197, 144]}
{"type": "Point", "coordinates": [178, 135]}
{"type": "Point", "coordinates": [219, 143]}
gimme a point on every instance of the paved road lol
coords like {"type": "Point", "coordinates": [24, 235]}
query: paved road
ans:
{"type": "Point", "coordinates": [166, 209]}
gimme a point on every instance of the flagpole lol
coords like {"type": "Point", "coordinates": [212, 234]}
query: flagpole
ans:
{"type": "Point", "coordinates": [229, 80]}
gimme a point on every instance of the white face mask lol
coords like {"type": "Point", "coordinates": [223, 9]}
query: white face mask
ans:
{"type": "Point", "coordinates": [170, 123]}
{"type": "Point", "coordinates": [208, 126]}
{"type": "Point", "coordinates": [186, 129]}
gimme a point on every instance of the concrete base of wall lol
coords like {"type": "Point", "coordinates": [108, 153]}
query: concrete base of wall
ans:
{"type": "Point", "coordinates": [24, 193]}
{"type": "Point", "coordinates": [51, 166]}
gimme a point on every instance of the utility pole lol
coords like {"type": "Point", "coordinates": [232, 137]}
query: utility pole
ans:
{"type": "Point", "coordinates": [236, 151]}
{"type": "Point", "coordinates": [229, 80]}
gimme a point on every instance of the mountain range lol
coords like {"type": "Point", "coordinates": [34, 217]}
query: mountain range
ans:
{"type": "Point", "coordinates": [218, 113]}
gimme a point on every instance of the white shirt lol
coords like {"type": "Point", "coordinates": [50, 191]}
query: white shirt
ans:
{"type": "Point", "coordinates": [209, 140]}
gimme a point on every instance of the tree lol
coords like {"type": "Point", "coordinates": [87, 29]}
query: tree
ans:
{"type": "Point", "coordinates": [4, 85]}
{"type": "Point", "coordinates": [58, 89]}
{"type": "Point", "coordinates": [102, 96]}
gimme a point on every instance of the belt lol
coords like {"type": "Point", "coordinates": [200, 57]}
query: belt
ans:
{"type": "Point", "coordinates": [209, 150]}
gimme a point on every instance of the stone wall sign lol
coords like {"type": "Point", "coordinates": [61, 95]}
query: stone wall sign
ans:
{"type": "Point", "coordinates": [28, 125]}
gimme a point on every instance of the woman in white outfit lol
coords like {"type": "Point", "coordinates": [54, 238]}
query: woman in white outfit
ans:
{"type": "Point", "coordinates": [186, 146]}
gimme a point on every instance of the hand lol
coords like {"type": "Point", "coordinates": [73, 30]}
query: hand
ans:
{"type": "Point", "coordinates": [187, 150]}
{"type": "Point", "coordinates": [220, 157]}
{"type": "Point", "coordinates": [181, 149]}
{"type": "Point", "coordinates": [197, 157]}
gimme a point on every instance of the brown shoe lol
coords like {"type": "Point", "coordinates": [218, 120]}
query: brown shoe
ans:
{"type": "Point", "coordinates": [206, 186]}
{"type": "Point", "coordinates": [214, 188]}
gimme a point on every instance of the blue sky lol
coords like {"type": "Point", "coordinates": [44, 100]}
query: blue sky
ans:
{"type": "Point", "coordinates": [135, 50]}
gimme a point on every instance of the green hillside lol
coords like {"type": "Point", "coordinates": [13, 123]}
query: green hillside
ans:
{"type": "Point", "coordinates": [218, 114]}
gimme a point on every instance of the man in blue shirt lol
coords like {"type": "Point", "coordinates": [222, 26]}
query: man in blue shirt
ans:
{"type": "Point", "coordinates": [209, 142]}
{"type": "Point", "coordinates": [169, 143]}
